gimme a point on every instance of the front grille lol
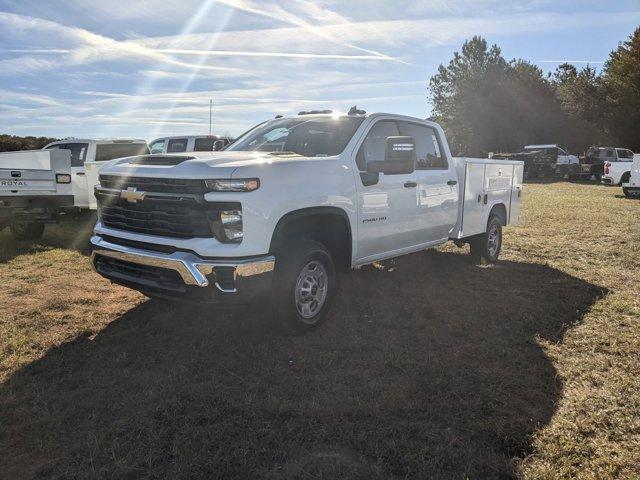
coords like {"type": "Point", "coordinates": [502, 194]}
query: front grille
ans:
{"type": "Point", "coordinates": [164, 185]}
{"type": "Point", "coordinates": [170, 207]}
{"type": "Point", "coordinates": [177, 217]}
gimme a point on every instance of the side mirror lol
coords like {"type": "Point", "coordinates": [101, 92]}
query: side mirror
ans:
{"type": "Point", "coordinates": [219, 144]}
{"type": "Point", "coordinates": [399, 158]}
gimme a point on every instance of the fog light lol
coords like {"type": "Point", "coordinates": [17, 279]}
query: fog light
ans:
{"type": "Point", "coordinates": [231, 221]}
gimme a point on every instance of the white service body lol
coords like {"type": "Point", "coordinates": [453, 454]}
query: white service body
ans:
{"type": "Point", "coordinates": [30, 189]}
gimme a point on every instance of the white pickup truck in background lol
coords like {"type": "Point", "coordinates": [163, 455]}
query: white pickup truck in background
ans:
{"type": "Point", "coordinates": [88, 156]}
{"type": "Point", "coordinates": [272, 217]}
{"type": "Point", "coordinates": [35, 187]}
{"type": "Point", "coordinates": [617, 166]}
{"type": "Point", "coordinates": [188, 143]}
{"type": "Point", "coordinates": [631, 188]}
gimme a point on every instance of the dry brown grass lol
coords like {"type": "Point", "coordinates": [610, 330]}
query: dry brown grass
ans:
{"type": "Point", "coordinates": [429, 367]}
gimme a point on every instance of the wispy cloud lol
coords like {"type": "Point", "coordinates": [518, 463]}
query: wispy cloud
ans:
{"type": "Point", "coordinates": [118, 67]}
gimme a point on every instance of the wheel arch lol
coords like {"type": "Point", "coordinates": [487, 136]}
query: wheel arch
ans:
{"type": "Point", "coordinates": [499, 210]}
{"type": "Point", "coordinates": [328, 225]}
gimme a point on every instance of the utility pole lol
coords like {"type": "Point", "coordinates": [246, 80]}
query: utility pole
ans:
{"type": "Point", "coordinates": [210, 114]}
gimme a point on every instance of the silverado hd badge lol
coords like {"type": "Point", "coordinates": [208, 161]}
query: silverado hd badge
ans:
{"type": "Point", "coordinates": [132, 195]}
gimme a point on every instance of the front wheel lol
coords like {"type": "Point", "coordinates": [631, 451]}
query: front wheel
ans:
{"type": "Point", "coordinates": [485, 248]}
{"type": "Point", "coordinates": [27, 231]}
{"type": "Point", "coordinates": [305, 280]}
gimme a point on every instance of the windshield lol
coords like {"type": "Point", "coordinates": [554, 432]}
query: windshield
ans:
{"type": "Point", "coordinates": [310, 137]}
{"type": "Point", "coordinates": [109, 151]}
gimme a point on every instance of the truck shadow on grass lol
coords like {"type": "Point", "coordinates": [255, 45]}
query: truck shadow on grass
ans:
{"type": "Point", "coordinates": [73, 232]}
{"type": "Point", "coordinates": [428, 367]}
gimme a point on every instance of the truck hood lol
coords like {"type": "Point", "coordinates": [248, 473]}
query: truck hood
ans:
{"type": "Point", "coordinates": [198, 164]}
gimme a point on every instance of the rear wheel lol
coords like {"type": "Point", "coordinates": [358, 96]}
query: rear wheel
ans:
{"type": "Point", "coordinates": [631, 192]}
{"type": "Point", "coordinates": [27, 231]}
{"type": "Point", "coordinates": [485, 248]}
{"type": "Point", "coordinates": [303, 285]}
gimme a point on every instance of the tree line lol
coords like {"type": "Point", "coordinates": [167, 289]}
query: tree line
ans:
{"type": "Point", "coordinates": [488, 104]}
{"type": "Point", "coordinates": [13, 143]}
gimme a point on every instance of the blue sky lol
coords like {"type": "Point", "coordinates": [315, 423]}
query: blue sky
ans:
{"type": "Point", "coordinates": [148, 68]}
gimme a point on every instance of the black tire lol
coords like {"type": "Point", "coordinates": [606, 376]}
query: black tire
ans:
{"type": "Point", "coordinates": [631, 192]}
{"type": "Point", "coordinates": [483, 247]}
{"type": "Point", "coordinates": [27, 231]}
{"type": "Point", "coordinates": [299, 304]}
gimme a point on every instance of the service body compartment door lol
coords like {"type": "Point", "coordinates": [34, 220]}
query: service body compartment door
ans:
{"type": "Point", "coordinates": [473, 214]}
{"type": "Point", "coordinates": [515, 213]}
{"type": "Point", "coordinates": [498, 185]}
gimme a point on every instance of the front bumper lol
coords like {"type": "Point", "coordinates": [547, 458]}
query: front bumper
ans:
{"type": "Point", "coordinates": [32, 208]}
{"type": "Point", "coordinates": [182, 275]}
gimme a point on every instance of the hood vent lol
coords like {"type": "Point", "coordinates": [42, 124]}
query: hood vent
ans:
{"type": "Point", "coordinates": [159, 160]}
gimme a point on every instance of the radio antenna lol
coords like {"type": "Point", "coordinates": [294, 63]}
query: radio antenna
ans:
{"type": "Point", "coordinates": [210, 114]}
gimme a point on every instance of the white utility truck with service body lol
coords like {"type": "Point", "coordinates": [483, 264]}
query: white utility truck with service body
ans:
{"type": "Point", "coordinates": [631, 188]}
{"type": "Point", "coordinates": [87, 157]}
{"type": "Point", "coordinates": [289, 203]}
{"type": "Point", "coordinates": [35, 187]}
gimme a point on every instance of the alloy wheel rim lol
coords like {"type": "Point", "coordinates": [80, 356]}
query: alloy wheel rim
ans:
{"type": "Point", "coordinates": [493, 242]}
{"type": "Point", "coordinates": [311, 290]}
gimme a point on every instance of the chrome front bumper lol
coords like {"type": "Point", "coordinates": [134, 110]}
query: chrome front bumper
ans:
{"type": "Point", "coordinates": [250, 275]}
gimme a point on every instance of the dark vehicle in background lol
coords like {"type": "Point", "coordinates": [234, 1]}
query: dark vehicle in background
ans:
{"type": "Point", "coordinates": [544, 161]}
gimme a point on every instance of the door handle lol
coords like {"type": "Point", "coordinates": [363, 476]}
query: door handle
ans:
{"type": "Point", "coordinates": [410, 184]}
{"type": "Point", "coordinates": [452, 182]}
{"type": "Point", "coordinates": [80, 174]}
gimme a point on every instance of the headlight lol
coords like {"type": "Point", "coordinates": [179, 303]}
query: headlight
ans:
{"type": "Point", "coordinates": [231, 221]}
{"type": "Point", "coordinates": [63, 178]}
{"type": "Point", "coordinates": [240, 185]}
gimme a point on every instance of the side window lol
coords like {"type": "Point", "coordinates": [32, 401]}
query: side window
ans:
{"type": "Point", "coordinates": [204, 144]}
{"type": "Point", "coordinates": [630, 155]}
{"type": "Point", "coordinates": [375, 143]}
{"type": "Point", "coordinates": [562, 152]}
{"type": "Point", "coordinates": [428, 151]}
{"type": "Point", "coordinates": [177, 145]}
{"type": "Point", "coordinates": [78, 153]}
{"type": "Point", "coordinates": [157, 146]}
{"type": "Point", "coordinates": [610, 154]}
{"type": "Point", "coordinates": [622, 154]}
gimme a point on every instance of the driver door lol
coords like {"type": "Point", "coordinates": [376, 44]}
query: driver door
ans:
{"type": "Point", "coordinates": [386, 209]}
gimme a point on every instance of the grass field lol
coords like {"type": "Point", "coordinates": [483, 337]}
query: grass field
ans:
{"type": "Point", "coordinates": [428, 367]}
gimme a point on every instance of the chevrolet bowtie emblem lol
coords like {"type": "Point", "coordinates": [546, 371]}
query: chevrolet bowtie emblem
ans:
{"type": "Point", "coordinates": [132, 195]}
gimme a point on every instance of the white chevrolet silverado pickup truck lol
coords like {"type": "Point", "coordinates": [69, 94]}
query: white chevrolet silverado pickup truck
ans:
{"type": "Point", "coordinates": [291, 202]}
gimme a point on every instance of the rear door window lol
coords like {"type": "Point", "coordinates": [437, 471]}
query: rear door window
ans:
{"type": "Point", "coordinates": [204, 144]}
{"type": "Point", "coordinates": [109, 151]}
{"type": "Point", "coordinates": [177, 145]}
